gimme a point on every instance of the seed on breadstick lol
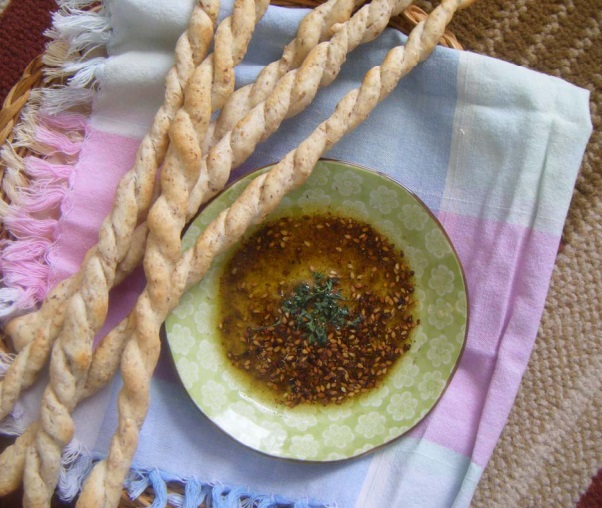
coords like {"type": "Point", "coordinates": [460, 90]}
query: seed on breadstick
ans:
{"type": "Point", "coordinates": [260, 197]}
{"type": "Point", "coordinates": [34, 333]}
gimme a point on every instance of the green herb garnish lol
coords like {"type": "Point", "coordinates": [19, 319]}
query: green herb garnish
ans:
{"type": "Point", "coordinates": [314, 308]}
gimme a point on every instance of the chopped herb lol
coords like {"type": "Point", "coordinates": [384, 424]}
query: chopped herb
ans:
{"type": "Point", "coordinates": [334, 331]}
{"type": "Point", "coordinates": [315, 308]}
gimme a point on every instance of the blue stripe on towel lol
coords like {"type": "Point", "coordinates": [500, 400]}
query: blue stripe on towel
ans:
{"type": "Point", "coordinates": [423, 108]}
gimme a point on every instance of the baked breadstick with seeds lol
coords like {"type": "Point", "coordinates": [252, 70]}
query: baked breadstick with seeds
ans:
{"type": "Point", "coordinates": [313, 29]}
{"type": "Point", "coordinates": [216, 167]}
{"type": "Point", "coordinates": [207, 90]}
{"type": "Point", "coordinates": [264, 193]}
{"type": "Point", "coordinates": [87, 291]}
{"type": "Point", "coordinates": [289, 96]}
{"type": "Point", "coordinates": [260, 197]}
{"type": "Point", "coordinates": [316, 27]}
{"type": "Point", "coordinates": [166, 220]}
{"type": "Point", "coordinates": [12, 459]}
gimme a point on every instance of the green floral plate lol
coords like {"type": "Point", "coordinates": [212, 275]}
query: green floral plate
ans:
{"type": "Point", "coordinates": [415, 382]}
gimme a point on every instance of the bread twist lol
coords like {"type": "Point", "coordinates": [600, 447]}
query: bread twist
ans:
{"type": "Point", "coordinates": [314, 28]}
{"type": "Point", "coordinates": [86, 311]}
{"type": "Point", "coordinates": [12, 459]}
{"type": "Point", "coordinates": [87, 291]}
{"type": "Point", "coordinates": [365, 25]}
{"type": "Point", "coordinates": [265, 192]}
{"type": "Point", "coordinates": [260, 197]}
{"type": "Point", "coordinates": [208, 89]}
{"type": "Point", "coordinates": [292, 93]}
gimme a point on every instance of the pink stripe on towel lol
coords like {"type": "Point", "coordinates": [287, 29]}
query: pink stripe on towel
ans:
{"type": "Point", "coordinates": [507, 269]}
{"type": "Point", "coordinates": [103, 160]}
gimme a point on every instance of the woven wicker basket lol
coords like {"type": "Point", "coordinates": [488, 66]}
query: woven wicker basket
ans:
{"type": "Point", "coordinates": [33, 77]}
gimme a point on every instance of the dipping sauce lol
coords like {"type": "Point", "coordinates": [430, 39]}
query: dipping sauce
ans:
{"type": "Point", "coordinates": [316, 308]}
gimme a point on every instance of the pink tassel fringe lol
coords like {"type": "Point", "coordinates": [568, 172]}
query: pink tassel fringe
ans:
{"type": "Point", "coordinates": [30, 218]}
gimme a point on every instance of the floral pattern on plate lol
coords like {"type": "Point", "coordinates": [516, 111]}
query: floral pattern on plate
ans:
{"type": "Point", "coordinates": [414, 384]}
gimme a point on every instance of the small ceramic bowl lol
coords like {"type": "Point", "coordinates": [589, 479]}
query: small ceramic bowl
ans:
{"type": "Point", "coordinates": [414, 384]}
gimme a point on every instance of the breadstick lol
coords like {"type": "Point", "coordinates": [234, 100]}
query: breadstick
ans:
{"type": "Point", "coordinates": [265, 192]}
{"type": "Point", "coordinates": [166, 221]}
{"type": "Point", "coordinates": [365, 25]}
{"type": "Point", "coordinates": [207, 90]}
{"type": "Point", "coordinates": [12, 459]}
{"type": "Point", "coordinates": [289, 96]}
{"type": "Point", "coordinates": [108, 354]}
{"type": "Point", "coordinates": [34, 333]}
{"type": "Point", "coordinates": [314, 28]}
{"type": "Point", "coordinates": [260, 197]}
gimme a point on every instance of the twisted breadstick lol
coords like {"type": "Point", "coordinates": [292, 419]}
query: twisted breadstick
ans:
{"type": "Point", "coordinates": [363, 27]}
{"type": "Point", "coordinates": [286, 98]}
{"type": "Point", "coordinates": [207, 90]}
{"type": "Point", "coordinates": [262, 195]}
{"type": "Point", "coordinates": [87, 291]}
{"type": "Point", "coordinates": [12, 459]}
{"type": "Point", "coordinates": [315, 27]}
{"type": "Point", "coordinates": [261, 120]}
{"type": "Point", "coordinates": [166, 220]}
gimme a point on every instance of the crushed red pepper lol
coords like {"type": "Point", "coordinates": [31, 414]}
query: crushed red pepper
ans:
{"type": "Point", "coordinates": [274, 292]}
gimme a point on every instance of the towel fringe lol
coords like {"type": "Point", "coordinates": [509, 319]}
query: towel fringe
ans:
{"type": "Point", "coordinates": [214, 495]}
{"type": "Point", "coordinates": [83, 31]}
{"type": "Point", "coordinates": [52, 128]}
{"type": "Point", "coordinates": [76, 464]}
{"type": "Point", "coordinates": [14, 424]}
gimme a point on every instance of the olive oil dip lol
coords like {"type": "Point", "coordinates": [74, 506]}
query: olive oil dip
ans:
{"type": "Point", "coordinates": [316, 308]}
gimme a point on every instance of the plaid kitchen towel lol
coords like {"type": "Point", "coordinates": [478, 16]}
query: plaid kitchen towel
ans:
{"type": "Point", "coordinates": [491, 148]}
